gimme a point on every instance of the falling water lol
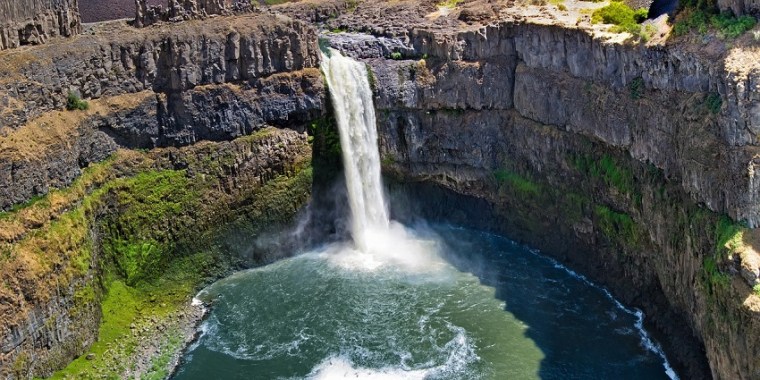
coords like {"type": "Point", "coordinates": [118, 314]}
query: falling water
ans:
{"type": "Point", "coordinates": [355, 113]}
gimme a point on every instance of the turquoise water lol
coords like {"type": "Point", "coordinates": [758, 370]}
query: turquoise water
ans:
{"type": "Point", "coordinates": [448, 303]}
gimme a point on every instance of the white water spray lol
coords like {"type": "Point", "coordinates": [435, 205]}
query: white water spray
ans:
{"type": "Point", "coordinates": [355, 113]}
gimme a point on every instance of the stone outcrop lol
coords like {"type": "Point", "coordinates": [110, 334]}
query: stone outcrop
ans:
{"type": "Point", "coordinates": [33, 22]}
{"type": "Point", "coordinates": [180, 10]}
{"type": "Point", "coordinates": [740, 7]}
{"type": "Point", "coordinates": [216, 81]}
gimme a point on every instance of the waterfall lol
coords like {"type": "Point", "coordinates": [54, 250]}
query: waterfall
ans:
{"type": "Point", "coordinates": [355, 113]}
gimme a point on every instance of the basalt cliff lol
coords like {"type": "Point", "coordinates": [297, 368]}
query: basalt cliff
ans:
{"type": "Point", "coordinates": [631, 161]}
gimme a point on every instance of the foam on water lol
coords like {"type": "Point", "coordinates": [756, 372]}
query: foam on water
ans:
{"type": "Point", "coordinates": [393, 248]}
{"type": "Point", "coordinates": [340, 367]}
{"type": "Point", "coordinates": [459, 353]}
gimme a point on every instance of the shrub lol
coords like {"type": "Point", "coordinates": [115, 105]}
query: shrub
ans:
{"type": "Point", "coordinates": [714, 102]}
{"type": "Point", "coordinates": [636, 88]}
{"type": "Point", "coordinates": [757, 289]}
{"type": "Point", "coordinates": [730, 26]}
{"type": "Point", "coordinates": [622, 16]}
{"type": "Point", "coordinates": [726, 24]}
{"type": "Point", "coordinates": [396, 55]}
{"type": "Point", "coordinates": [74, 102]}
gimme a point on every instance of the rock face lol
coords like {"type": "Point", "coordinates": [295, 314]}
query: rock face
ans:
{"type": "Point", "coordinates": [740, 7]}
{"type": "Point", "coordinates": [579, 144]}
{"type": "Point", "coordinates": [51, 315]}
{"type": "Point", "coordinates": [32, 22]}
{"type": "Point", "coordinates": [179, 10]}
{"type": "Point", "coordinates": [215, 81]}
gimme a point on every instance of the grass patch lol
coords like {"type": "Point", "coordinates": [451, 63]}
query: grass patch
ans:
{"type": "Point", "coordinates": [141, 235]}
{"type": "Point", "coordinates": [396, 56]}
{"type": "Point", "coordinates": [617, 226]}
{"type": "Point", "coordinates": [756, 290]}
{"type": "Point", "coordinates": [126, 306]}
{"type": "Point", "coordinates": [712, 276]}
{"type": "Point", "coordinates": [728, 236]}
{"type": "Point", "coordinates": [621, 16]}
{"type": "Point", "coordinates": [609, 170]}
{"type": "Point", "coordinates": [519, 184]}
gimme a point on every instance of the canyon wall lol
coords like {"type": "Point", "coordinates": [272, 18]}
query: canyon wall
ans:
{"type": "Point", "coordinates": [181, 10]}
{"type": "Point", "coordinates": [32, 22]}
{"type": "Point", "coordinates": [633, 164]}
{"type": "Point", "coordinates": [190, 133]}
{"type": "Point", "coordinates": [166, 87]}
{"type": "Point", "coordinates": [617, 158]}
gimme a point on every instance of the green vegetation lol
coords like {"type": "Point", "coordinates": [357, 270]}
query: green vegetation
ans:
{"type": "Point", "coordinates": [756, 289]}
{"type": "Point", "coordinates": [388, 160]}
{"type": "Point", "coordinates": [728, 236]}
{"type": "Point", "coordinates": [622, 16]}
{"type": "Point", "coordinates": [519, 184]}
{"type": "Point", "coordinates": [648, 32]}
{"type": "Point", "coordinates": [325, 139]}
{"type": "Point", "coordinates": [608, 169]}
{"type": "Point", "coordinates": [149, 200]}
{"type": "Point", "coordinates": [636, 88]}
{"type": "Point", "coordinates": [396, 55]}
{"type": "Point", "coordinates": [714, 102]}
{"type": "Point", "coordinates": [712, 276]}
{"type": "Point", "coordinates": [700, 17]}
{"type": "Point", "coordinates": [573, 205]}
{"type": "Point", "coordinates": [157, 233]}
{"type": "Point", "coordinates": [617, 226]}
{"type": "Point", "coordinates": [371, 77]}
{"type": "Point", "coordinates": [74, 102]}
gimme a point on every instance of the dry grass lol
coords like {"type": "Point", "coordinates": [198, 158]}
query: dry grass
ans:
{"type": "Point", "coordinates": [53, 129]}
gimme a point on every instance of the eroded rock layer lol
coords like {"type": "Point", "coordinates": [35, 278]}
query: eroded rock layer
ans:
{"type": "Point", "coordinates": [33, 22]}
{"type": "Point", "coordinates": [212, 81]}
